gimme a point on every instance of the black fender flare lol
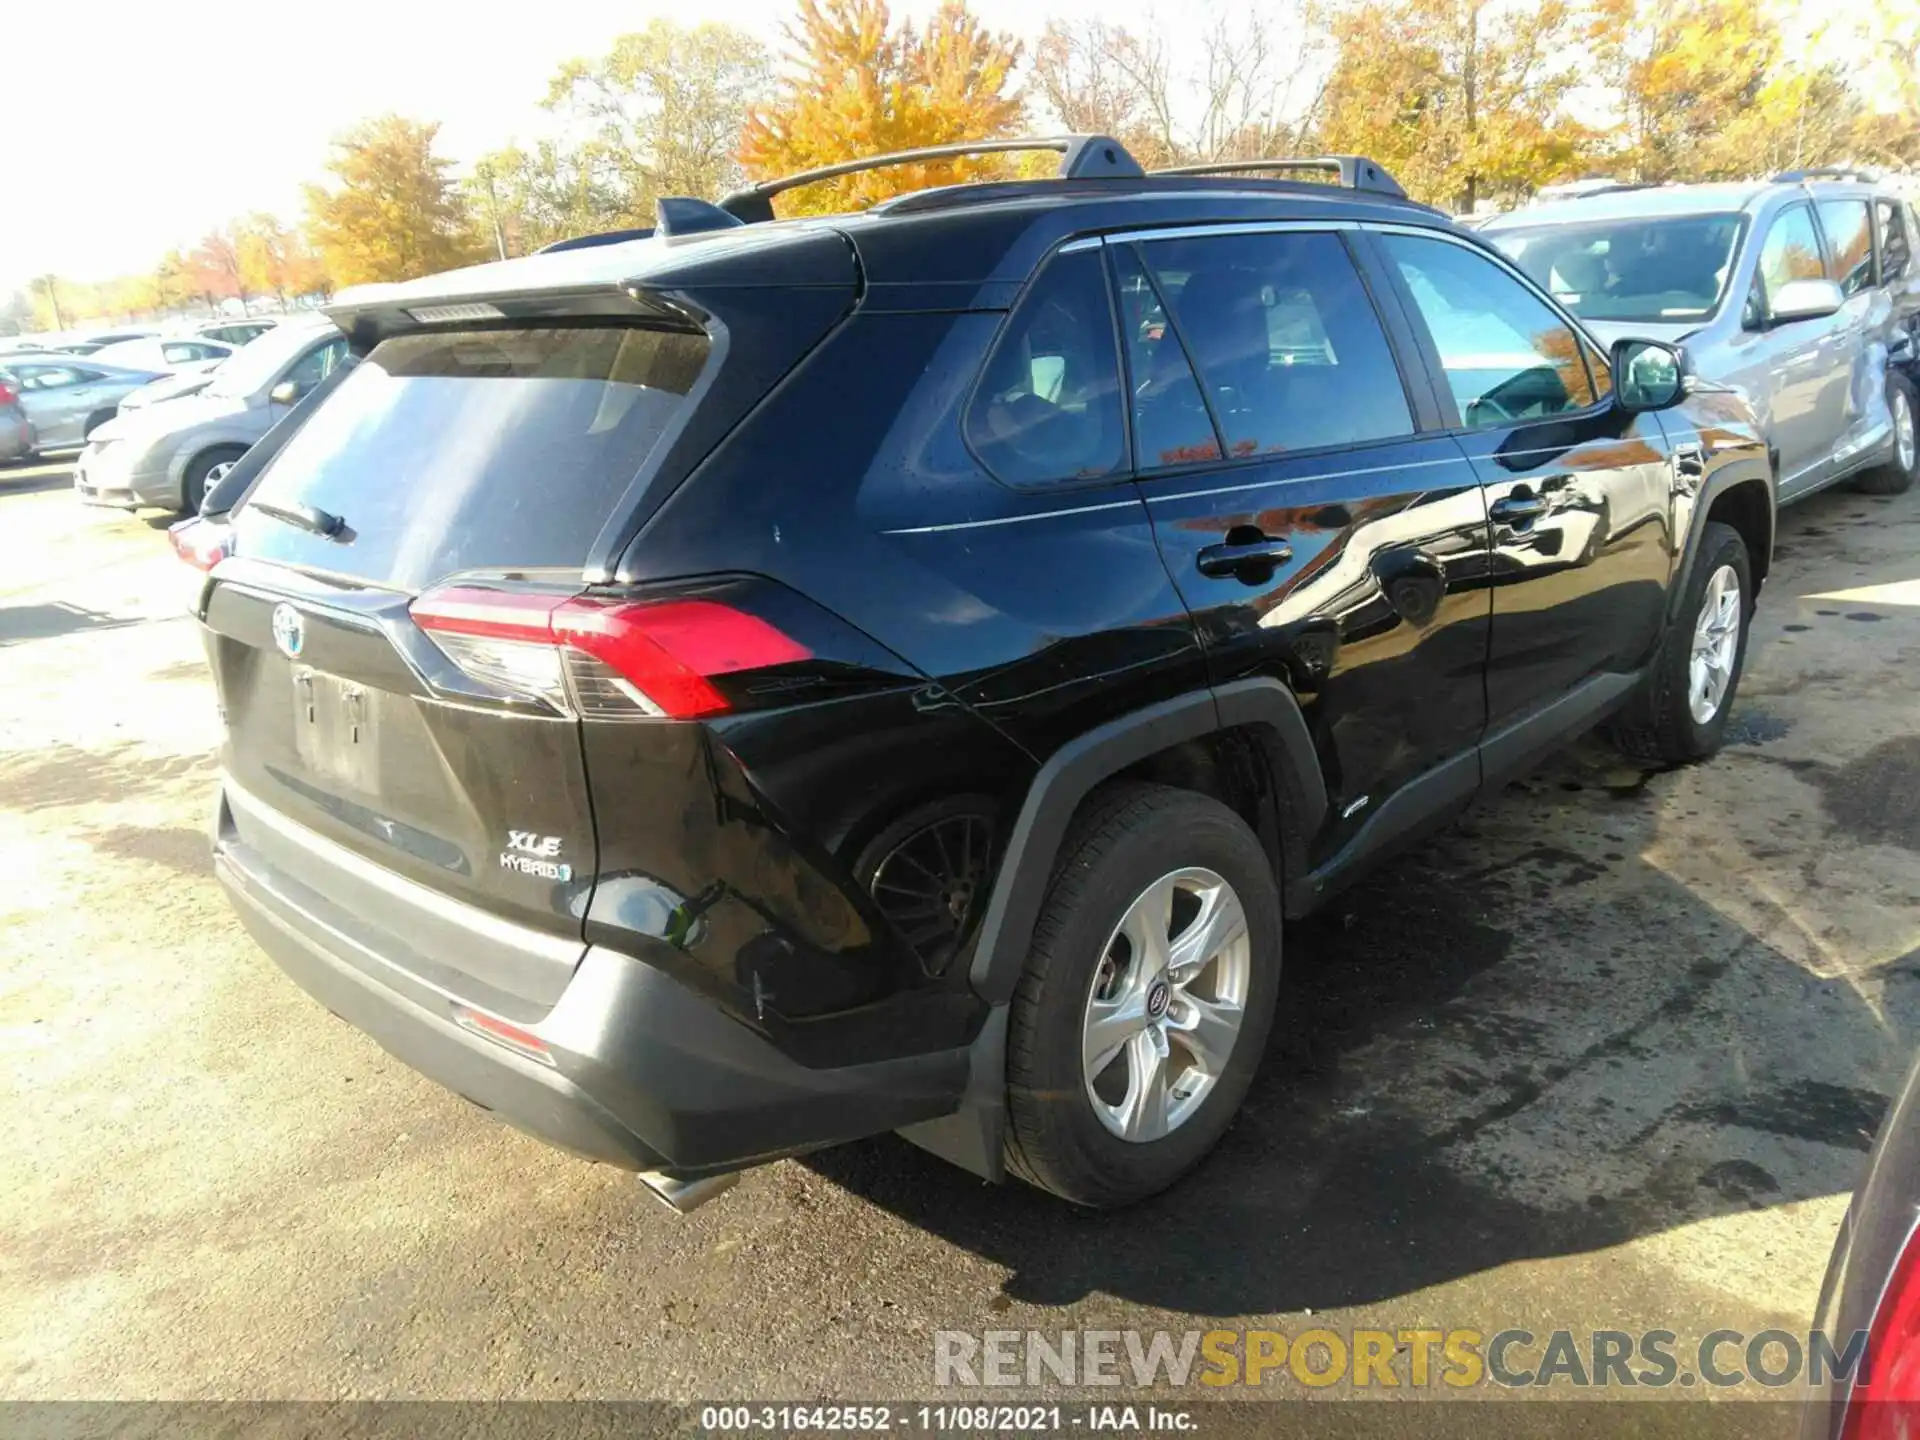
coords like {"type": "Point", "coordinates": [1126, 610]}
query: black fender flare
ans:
{"type": "Point", "coordinates": [1754, 470]}
{"type": "Point", "coordinates": [1020, 886]}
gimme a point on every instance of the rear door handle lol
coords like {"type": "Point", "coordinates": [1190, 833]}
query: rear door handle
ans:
{"type": "Point", "coordinates": [1252, 560]}
{"type": "Point", "coordinates": [1517, 508]}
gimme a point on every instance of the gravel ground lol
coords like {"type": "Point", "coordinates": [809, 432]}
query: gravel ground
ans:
{"type": "Point", "coordinates": [1607, 1055]}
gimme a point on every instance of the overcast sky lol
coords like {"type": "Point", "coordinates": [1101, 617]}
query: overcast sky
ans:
{"type": "Point", "coordinates": [133, 127]}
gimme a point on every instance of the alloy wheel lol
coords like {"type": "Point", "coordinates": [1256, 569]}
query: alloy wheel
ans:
{"type": "Point", "coordinates": [1906, 445]}
{"type": "Point", "coordinates": [1716, 644]}
{"type": "Point", "coordinates": [1167, 1004]}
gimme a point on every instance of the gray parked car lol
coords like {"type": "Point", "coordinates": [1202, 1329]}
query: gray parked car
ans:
{"type": "Point", "coordinates": [167, 455]}
{"type": "Point", "coordinates": [1802, 292]}
{"type": "Point", "coordinates": [68, 397]}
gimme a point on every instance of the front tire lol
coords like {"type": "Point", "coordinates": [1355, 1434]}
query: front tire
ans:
{"type": "Point", "coordinates": [1147, 996]}
{"type": "Point", "coordinates": [205, 470]}
{"type": "Point", "coordinates": [1897, 475]}
{"type": "Point", "coordinates": [1679, 714]}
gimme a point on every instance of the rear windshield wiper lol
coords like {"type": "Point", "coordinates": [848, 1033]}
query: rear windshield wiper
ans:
{"type": "Point", "coordinates": [308, 517]}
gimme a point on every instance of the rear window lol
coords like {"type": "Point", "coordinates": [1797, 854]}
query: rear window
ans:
{"type": "Point", "coordinates": [482, 449]}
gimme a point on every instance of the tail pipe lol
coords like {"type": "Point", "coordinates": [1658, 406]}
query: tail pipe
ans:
{"type": "Point", "coordinates": [682, 1194]}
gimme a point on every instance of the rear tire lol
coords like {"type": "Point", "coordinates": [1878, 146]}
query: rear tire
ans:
{"type": "Point", "coordinates": [1679, 713]}
{"type": "Point", "coordinates": [200, 474]}
{"type": "Point", "coordinates": [1897, 475]}
{"type": "Point", "coordinates": [1139, 859]}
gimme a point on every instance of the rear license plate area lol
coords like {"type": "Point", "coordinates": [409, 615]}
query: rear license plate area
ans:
{"type": "Point", "coordinates": [335, 730]}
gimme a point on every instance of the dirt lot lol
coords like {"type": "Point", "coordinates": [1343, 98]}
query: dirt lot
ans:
{"type": "Point", "coordinates": [1609, 1054]}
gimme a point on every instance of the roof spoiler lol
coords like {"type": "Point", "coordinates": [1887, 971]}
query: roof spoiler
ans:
{"type": "Point", "coordinates": [1082, 157]}
{"type": "Point", "coordinates": [1351, 172]}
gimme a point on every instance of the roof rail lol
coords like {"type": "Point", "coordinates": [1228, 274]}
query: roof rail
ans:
{"type": "Point", "coordinates": [1082, 157]}
{"type": "Point", "coordinates": [1354, 172]}
{"type": "Point", "coordinates": [1829, 172]}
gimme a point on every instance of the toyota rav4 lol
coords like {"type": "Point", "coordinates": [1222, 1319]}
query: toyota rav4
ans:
{"type": "Point", "coordinates": [709, 696]}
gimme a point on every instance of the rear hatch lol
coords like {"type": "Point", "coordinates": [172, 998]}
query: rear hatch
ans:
{"type": "Point", "coordinates": [401, 641]}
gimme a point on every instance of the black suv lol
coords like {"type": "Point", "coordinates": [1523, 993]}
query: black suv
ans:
{"type": "Point", "coordinates": [710, 696]}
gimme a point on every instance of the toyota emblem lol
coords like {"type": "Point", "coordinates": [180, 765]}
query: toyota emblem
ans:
{"type": "Point", "coordinates": [289, 631]}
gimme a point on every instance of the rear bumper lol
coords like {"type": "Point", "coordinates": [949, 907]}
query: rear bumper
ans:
{"type": "Point", "coordinates": [646, 1073]}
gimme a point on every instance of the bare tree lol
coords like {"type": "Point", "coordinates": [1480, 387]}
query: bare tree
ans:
{"type": "Point", "coordinates": [1251, 88]}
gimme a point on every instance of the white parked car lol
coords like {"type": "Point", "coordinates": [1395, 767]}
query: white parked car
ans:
{"type": "Point", "coordinates": [166, 354]}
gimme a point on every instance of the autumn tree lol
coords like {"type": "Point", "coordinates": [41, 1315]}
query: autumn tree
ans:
{"type": "Point", "coordinates": [1460, 99]}
{"type": "Point", "coordinates": [859, 85]}
{"type": "Point", "coordinates": [215, 266]}
{"type": "Point", "coordinates": [173, 281]}
{"type": "Point", "coordinates": [659, 114]}
{"type": "Point", "coordinates": [393, 212]}
{"type": "Point", "coordinates": [1687, 74]}
{"type": "Point", "coordinates": [274, 260]}
{"type": "Point", "coordinates": [522, 200]}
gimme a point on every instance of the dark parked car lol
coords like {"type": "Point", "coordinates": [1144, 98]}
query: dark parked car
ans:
{"type": "Point", "coordinates": [716, 695]}
{"type": "Point", "coordinates": [1873, 1288]}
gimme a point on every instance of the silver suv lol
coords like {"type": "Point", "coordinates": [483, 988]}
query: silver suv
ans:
{"type": "Point", "coordinates": [1803, 292]}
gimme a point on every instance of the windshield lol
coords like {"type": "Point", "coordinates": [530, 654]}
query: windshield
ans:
{"type": "Point", "coordinates": [254, 365]}
{"type": "Point", "coordinates": [1667, 270]}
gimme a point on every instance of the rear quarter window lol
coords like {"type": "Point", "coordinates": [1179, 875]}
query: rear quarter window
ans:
{"type": "Point", "coordinates": [479, 449]}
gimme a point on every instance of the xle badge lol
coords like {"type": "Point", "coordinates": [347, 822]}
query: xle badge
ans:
{"type": "Point", "coordinates": [530, 853]}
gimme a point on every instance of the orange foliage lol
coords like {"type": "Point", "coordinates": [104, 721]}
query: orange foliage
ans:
{"type": "Point", "coordinates": [861, 86]}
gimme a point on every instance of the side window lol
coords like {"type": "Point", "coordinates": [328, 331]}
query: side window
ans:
{"type": "Point", "coordinates": [1285, 339]}
{"type": "Point", "coordinates": [313, 367]}
{"type": "Point", "coordinates": [1505, 354]}
{"type": "Point", "coordinates": [1896, 245]}
{"type": "Point", "coordinates": [1791, 250]}
{"type": "Point", "coordinates": [1849, 242]}
{"type": "Point", "coordinates": [1171, 425]}
{"type": "Point", "coordinates": [51, 377]}
{"type": "Point", "coordinates": [1048, 405]}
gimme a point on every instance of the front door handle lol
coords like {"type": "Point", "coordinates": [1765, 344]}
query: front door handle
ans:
{"type": "Point", "coordinates": [1249, 560]}
{"type": "Point", "coordinates": [1518, 509]}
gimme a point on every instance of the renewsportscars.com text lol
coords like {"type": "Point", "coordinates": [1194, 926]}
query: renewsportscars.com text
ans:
{"type": "Point", "coordinates": [1420, 1359]}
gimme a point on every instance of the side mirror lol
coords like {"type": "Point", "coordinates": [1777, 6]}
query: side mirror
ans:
{"type": "Point", "coordinates": [1804, 300]}
{"type": "Point", "coordinates": [1647, 375]}
{"type": "Point", "coordinates": [285, 393]}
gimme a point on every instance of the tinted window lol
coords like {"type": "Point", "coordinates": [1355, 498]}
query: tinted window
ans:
{"type": "Point", "coordinates": [1896, 246]}
{"type": "Point", "coordinates": [1657, 270]}
{"type": "Point", "coordinates": [1285, 339]}
{"type": "Point", "coordinates": [1849, 243]}
{"type": "Point", "coordinates": [1048, 406]}
{"type": "Point", "coordinates": [476, 449]}
{"type": "Point", "coordinates": [1505, 354]}
{"type": "Point", "coordinates": [1170, 421]}
{"type": "Point", "coordinates": [1791, 250]}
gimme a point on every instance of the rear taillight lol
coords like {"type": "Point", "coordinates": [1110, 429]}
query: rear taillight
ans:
{"type": "Point", "coordinates": [603, 658]}
{"type": "Point", "coordinates": [7, 395]}
{"type": "Point", "coordinates": [1885, 1400]}
{"type": "Point", "coordinates": [200, 543]}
